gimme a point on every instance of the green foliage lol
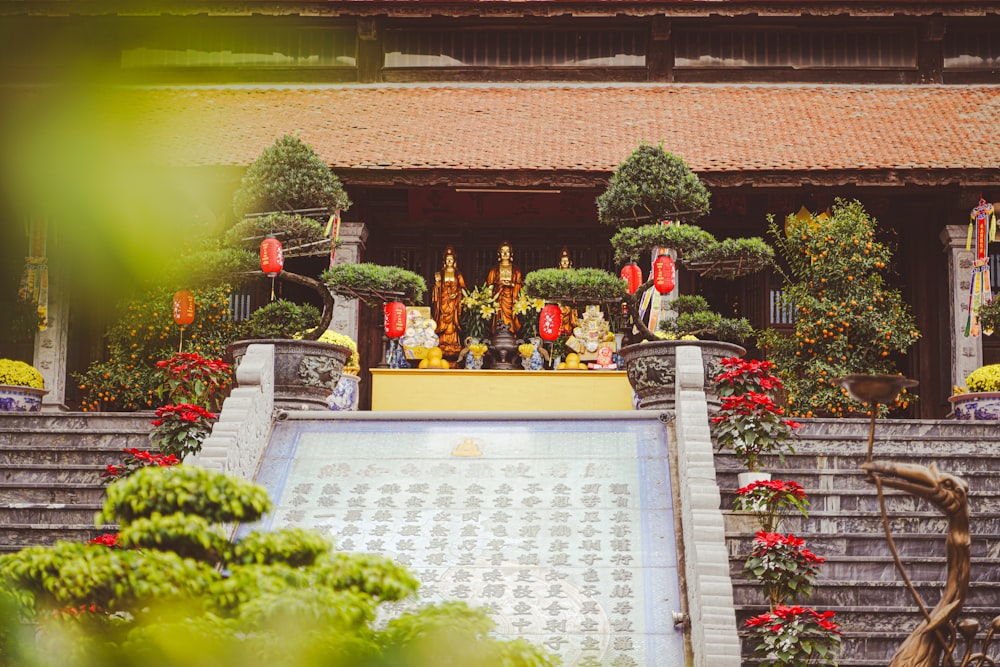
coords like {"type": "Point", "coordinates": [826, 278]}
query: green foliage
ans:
{"type": "Point", "coordinates": [847, 318]}
{"type": "Point", "coordinates": [215, 497]}
{"type": "Point", "coordinates": [281, 319]}
{"type": "Point", "coordinates": [20, 374]}
{"type": "Point", "coordinates": [208, 266]}
{"type": "Point", "coordinates": [652, 185]}
{"type": "Point", "coordinates": [146, 333]}
{"type": "Point", "coordinates": [989, 316]}
{"type": "Point", "coordinates": [286, 176]}
{"type": "Point", "coordinates": [694, 318]}
{"type": "Point", "coordinates": [293, 546]}
{"type": "Point", "coordinates": [280, 599]}
{"type": "Point", "coordinates": [574, 285]}
{"type": "Point", "coordinates": [292, 230]}
{"type": "Point", "coordinates": [637, 244]}
{"type": "Point", "coordinates": [731, 257]}
{"type": "Point", "coordinates": [19, 318]}
{"type": "Point", "coordinates": [375, 284]}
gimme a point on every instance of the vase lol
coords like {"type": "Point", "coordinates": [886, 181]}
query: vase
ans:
{"type": "Point", "coordinates": [748, 478]}
{"type": "Point", "coordinates": [345, 395]}
{"type": "Point", "coordinates": [305, 371]}
{"type": "Point", "coordinates": [652, 370]}
{"type": "Point", "coordinates": [978, 405]}
{"type": "Point", "coordinates": [16, 398]}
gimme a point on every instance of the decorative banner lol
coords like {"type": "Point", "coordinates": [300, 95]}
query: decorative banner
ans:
{"type": "Point", "coordinates": [333, 231]}
{"type": "Point", "coordinates": [983, 228]}
{"type": "Point", "coordinates": [550, 322]}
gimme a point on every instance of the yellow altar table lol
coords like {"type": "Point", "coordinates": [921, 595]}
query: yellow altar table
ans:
{"type": "Point", "coordinates": [440, 390]}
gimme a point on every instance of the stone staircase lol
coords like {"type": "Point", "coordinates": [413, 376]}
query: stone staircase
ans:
{"type": "Point", "coordinates": [50, 472]}
{"type": "Point", "coordinates": [859, 580]}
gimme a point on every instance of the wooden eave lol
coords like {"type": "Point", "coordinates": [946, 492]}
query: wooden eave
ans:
{"type": "Point", "coordinates": [528, 178]}
{"type": "Point", "coordinates": [500, 9]}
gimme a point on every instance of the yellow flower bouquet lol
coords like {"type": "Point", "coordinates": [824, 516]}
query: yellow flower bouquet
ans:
{"type": "Point", "coordinates": [20, 374]}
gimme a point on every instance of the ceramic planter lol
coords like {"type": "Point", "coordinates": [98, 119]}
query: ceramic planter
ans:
{"type": "Point", "coordinates": [345, 395]}
{"type": "Point", "coordinates": [305, 371]}
{"type": "Point", "coordinates": [652, 370]}
{"type": "Point", "coordinates": [15, 398]}
{"type": "Point", "coordinates": [981, 405]}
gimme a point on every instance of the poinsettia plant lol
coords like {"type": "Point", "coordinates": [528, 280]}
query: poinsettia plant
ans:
{"type": "Point", "coordinates": [753, 425]}
{"type": "Point", "coordinates": [770, 499]}
{"type": "Point", "coordinates": [740, 376]}
{"type": "Point", "coordinates": [191, 378]}
{"type": "Point", "coordinates": [180, 429]}
{"type": "Point", "coordinates": [783, 566]}
{"type": "Point", "coordinates": [135, 459]}
{"type": "Point", "coordinates": [795, 637]}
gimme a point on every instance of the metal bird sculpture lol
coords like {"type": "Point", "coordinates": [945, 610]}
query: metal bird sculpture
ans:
{"type": "Point", "coordinates": [932, 637]}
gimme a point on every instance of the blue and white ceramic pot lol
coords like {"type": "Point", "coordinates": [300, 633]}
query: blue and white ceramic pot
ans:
{"type": "Point", "coordinates": [345, 395]}
{"type": "Point", "coordinates": [14, 398]}
{"type": "Point", "coordinates": [981, 405]}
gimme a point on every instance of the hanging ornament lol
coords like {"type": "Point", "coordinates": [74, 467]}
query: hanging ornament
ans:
{"type": "Point", "coordinates": [183, 310]}
{"type": "Point", "coordinates": [663, 274]}
{"type": "Point", "coordinates": [632, 275]}
{"type": "Point", "coordinates": [982, 230]}
{"type": "Point", "coordinates": [333, 231]}
{"type": "Point", "coordinates": [272, 260]}
{"type": "Point", "coordinates": [550, 322]}
{"type": "Point", "coordinates": [395, 319]}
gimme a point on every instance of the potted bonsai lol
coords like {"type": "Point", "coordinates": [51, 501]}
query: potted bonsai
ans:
{"type": "Point", "coordinates": [652, 199]}
{"type": "Point", "coordinates": [21, 387]}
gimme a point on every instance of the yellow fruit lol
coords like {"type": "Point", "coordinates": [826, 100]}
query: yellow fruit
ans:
{"type": "Point", "coordinates": [573, 358]}
{"type": "Point", "coordinates": [435, 353]}
{"type": "Point", "coordinates": [422, 364]}
{"type": "Point", "coordinates": [561, 366]}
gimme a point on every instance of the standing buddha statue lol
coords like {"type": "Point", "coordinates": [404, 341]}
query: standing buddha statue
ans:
{"type": "Point", "coordinates": [506, 280]}
{"type": "Point", "coordinates": [446, 300]}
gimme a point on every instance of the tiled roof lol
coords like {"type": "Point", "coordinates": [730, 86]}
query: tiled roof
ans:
{"type": "Point", "coordinates": [582, 128]}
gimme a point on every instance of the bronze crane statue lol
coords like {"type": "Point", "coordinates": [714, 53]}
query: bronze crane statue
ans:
{"type": "Point", "coordinates": [933, 639]}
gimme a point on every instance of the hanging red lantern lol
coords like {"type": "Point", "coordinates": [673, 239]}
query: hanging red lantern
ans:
{"type": "Point", "coordinates": [632, 275]}
{"type": "Point", "coordinates": [550, 322]}
{"type": "Point", "coordinates": [271, 258]}
{"type": "Point", "coordinates": [183, 308]}
{"type": "Point", "coordinates": [663, 274]}
{"type": "Point", "coordinates": [395, 319]}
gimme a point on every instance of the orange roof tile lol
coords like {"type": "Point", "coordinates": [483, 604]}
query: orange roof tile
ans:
{"type": "Point", "coordinates": [583, 128]}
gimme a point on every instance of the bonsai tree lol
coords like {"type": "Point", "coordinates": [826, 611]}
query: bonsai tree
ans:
{"type": "Point", "coordinates": [848, 320]}
{"type": "Point", "coordinates": [281, 597]}
{"type": "Point", "coordinates": [649, 188]}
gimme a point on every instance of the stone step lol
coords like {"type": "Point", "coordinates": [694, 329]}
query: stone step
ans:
{"type": "Point", "coordinates": [42, 474]}
{"type": "Point", "coordinates": [110, 422]}
{"type": "Point", "coordinates": [871, 594]}
{"type": "Point", "coordinates": [870, 568]}
{"type": "Point", "coordinates": [81, 514]}
{"type": "Point", "coordinates": [68, 493]}
{"type": "Point", "coordinates": [931, 524]}
{"type": "Point", "coordinates": [19, 535]}
{"type": "Point", "coordinates": [83, 448]}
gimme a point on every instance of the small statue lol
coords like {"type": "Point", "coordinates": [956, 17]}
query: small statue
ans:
{"type": "Point", "coordinates": [506, 280]}
{"type": "Point", "coordinates": [446, 299]}
{"type": "Point", "coordinates": [569, 315]}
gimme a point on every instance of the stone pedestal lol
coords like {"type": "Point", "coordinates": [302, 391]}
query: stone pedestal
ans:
{"type": "Point", "coordinates": [51, 344]}
{"type": "Point", "coordinates": [353, 236]}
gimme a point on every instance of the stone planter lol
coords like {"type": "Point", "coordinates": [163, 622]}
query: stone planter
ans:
{"type": "Point", "coordinates": [981, 405]}
{"type": "Point", "coordinates": [15, 398]}
{"type": "Point", "coordinates": [305, 371]}
{"type": "Point", "coordinates": [652, 370]}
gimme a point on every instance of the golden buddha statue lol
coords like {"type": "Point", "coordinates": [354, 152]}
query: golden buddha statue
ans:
{"type": "Point", "coordinates": [446, 303]}
{"type": "Point", "coordinates": [506, 280]}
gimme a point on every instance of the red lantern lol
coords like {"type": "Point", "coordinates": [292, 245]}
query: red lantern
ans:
{"type": "Point", "coordinates": [632, 274]}
{"type": "Point", "coordinates": [271, 258]}
{"type": "Point", "coordinates": [395, 319]}
{"type": "Point", "coordinates": [663, 274]}
{"type": "Point", "coordinates": [550, 322]}
{"type": "Point", "coordinates": [183, 308]}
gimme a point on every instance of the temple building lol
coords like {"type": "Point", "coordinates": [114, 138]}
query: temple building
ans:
{"type": "Point", "coordinates": [465, 124]}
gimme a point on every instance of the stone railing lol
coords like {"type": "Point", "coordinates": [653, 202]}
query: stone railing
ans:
{"type": "Point", "coordinates": [236, 444]}
{"type": "Point", "coordinates": [712, 616]}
